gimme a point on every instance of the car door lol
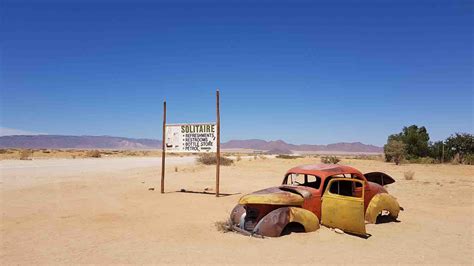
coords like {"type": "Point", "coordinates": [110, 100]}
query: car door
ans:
{"type": "Point", "coordinates": [342, 207]}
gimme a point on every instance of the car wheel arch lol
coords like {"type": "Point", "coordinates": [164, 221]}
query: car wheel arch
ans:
{"type": "Point", "coordinates": [274, 223]}
{"type": "Point", "coordinates": [381, 202]}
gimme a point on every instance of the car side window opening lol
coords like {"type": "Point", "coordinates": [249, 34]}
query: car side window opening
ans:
{"type": "Point", "coordinates": [344, 188]}
{"type": "Point", "coordinates": [357, 184]}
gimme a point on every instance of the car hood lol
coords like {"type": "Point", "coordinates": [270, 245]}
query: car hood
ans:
{"type": "Point", "coordinates": [281, 195]}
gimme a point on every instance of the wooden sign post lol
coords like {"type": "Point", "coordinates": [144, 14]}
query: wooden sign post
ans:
{"type": "Point", "coordinates": [218, 150]}
{"type": "Point", "coordinates": [163, 153]}
{"type": "Point", "coordinates": [196, 138]}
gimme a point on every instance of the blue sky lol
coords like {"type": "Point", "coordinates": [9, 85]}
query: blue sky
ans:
{"type": "Point", "coordinates": [304, 72]}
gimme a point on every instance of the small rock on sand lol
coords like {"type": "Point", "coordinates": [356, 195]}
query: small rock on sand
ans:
{"type": "Point", "coordinates": [339, 231]}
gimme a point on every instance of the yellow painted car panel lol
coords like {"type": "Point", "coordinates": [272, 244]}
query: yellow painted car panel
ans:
{"type": "Point", "coordinates": [343, 212]}
{"type": "Point", "coordinates": [380, 202]}
{"type": "Point", "coordinates": [306, 218]}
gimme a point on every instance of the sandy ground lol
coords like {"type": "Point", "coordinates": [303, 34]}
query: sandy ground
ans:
{"type": "Point", "coordinates": [101, 211]}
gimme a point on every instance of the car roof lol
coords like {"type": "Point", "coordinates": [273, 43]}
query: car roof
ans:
{"type": "Point", "coordinates": [323, 170]}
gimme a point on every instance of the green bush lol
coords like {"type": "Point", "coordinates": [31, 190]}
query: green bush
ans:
{"type": "Point", "coordinates": [457, 149]}
{"type": "Point", "coordinates": [468, 159]}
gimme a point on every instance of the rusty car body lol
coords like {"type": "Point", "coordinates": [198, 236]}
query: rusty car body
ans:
{"type": "Point", "coordinates": [336, 196]}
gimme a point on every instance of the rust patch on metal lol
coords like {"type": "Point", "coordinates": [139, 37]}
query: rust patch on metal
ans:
{"type": "Point", "coordinates": [236, 213]}
{"type": "Point", "coordinates": [272, 196]}
{"type": "Point", "coordinates": [274, 222]}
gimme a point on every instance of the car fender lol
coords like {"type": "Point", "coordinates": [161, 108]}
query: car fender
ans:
{"type": "Point", "coordinates": [380, 202]}
{"type": "Point", "coordinates": [236, 214]}
{"type": "Point", "coordinates": [275, 221]}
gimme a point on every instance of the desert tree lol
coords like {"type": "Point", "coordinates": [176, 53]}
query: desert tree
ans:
{"type": "Point", "coordinates": [416, 140]}
{"type": "Point", "coordinates": [460, 146]}
{"type": "Point", "coordinates": [395, 151]}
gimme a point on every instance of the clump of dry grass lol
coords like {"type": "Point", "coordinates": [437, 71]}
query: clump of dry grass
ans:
{"type": "Point", "coordinates": [238, 158]}
{"type": "Point", "coordinates": [368, 157]}
{"type": "Point", "coordinates": [93, 154]}
{"type": "Point", "coordinates": [211, 159]}
{"type": "Point", "coordinates": [224, 226]}
{"type": "Point", "coordinates": [25, 154]}
{"type": "Point", "coordinates": [176, 168]}
{"type": "Point", "coordinates": [409, 175]}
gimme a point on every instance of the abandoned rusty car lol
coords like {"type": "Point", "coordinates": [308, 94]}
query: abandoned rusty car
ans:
{"type": "Point", "coordinates": [336, 196]}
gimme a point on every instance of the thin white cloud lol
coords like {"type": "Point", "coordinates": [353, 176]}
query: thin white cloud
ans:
{"type": "Point", "coordinates": [11, 132]}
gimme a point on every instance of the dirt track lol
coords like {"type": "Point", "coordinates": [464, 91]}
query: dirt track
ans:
{"type": "Point", "coordinates": [103, 212]}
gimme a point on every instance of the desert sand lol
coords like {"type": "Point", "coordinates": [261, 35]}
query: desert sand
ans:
{"type": "Point", "coordinates": [101, 211]}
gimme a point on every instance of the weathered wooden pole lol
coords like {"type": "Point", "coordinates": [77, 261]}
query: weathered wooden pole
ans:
{"type": "Point", "coordinates": [442, 153]}
{"type": "Point", "coordinates": [163, 147]}
{"type": "Point", "coordinates": [218, 151]}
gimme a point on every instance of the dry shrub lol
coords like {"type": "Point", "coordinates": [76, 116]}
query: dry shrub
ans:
{"type": "Point", "coordinates": [409, 175]}
{"type": "Point", "coordinates": [93, 154]}
{"type": "Point", "coordinates": [238, 158]}
{"type": "Point", "coordinates": [3, 151]}
{"type": "Point", "coordinates": [263, 157]}
{"type": "Point", "coordinates": [224, 226]}
{"type": "Point", "coordinates": [211, 159]}
{"type": "Point", "coordinates": [25, 154]}
{"type": "Point", "coordinates": [176, 168]}
{"type": "Point", "coordinates": [286, 156]}
{"type": "Point", "coordinates": [330, 159]}
{"type": "Point", "coordinates": [131, 153]}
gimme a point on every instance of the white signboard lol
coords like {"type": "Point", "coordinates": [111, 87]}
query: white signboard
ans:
{"type": "Point", "coordinates": [191, 137]}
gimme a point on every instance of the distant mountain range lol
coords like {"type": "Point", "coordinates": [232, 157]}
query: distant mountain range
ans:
{"type": "Point", "coordinates": [108, 142]}
{"type": "Point", "coordinates": [258, 144]}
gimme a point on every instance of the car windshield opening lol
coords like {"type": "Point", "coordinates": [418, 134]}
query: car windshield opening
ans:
{"type": "Point", "coordinates": [304, 180]}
